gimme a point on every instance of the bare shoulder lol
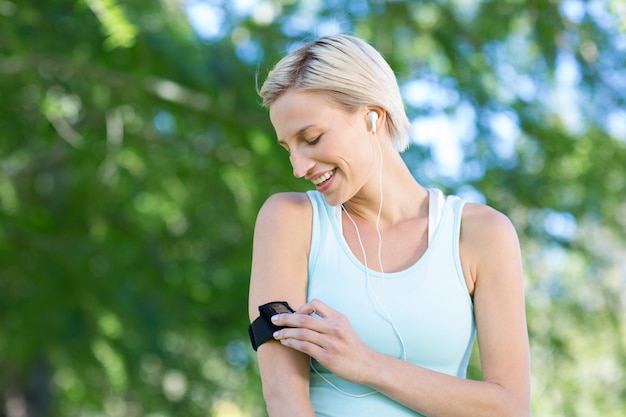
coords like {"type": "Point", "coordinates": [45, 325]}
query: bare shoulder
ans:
{"type": "Point", "coordinates": [486, 223]}
{"type": "Point", "coordinates": [284, 222]}
{"type": "Point", "coordinates": [286, 208]}
{"type": "Point", "coordinates": [489, 244]}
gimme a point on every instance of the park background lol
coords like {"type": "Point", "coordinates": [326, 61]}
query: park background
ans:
{"type": "Point", "coordinates": [134, 155]}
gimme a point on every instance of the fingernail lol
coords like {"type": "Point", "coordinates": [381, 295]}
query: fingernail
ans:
{"type": "Point", "coordinates": [275, 335]}
{"type": "Point", "coordinates": [275, 318]}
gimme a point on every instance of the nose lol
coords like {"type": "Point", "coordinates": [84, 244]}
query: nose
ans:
{"type": "Point", "coordinates": [301, 164]}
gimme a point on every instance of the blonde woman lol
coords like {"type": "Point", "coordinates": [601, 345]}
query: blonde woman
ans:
{"type": "Point", "coordinates": [390, 281]}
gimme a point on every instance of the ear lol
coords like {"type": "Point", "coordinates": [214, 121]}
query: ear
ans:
{"type": "Point", "coordinates": [375, 117]}
{"type": "Point", "coordinates": [372, 116]}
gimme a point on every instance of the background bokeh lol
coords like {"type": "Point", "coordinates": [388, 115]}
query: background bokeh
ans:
{"type": "Point", "coordinates": [134, 155]}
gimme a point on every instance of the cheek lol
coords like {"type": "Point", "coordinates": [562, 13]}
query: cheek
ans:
{"type": "Point", "coordinates": [363, 150]}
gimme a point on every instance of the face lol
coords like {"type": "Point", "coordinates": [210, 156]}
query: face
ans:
{"type": "Point", "coordinates": [327, 145]}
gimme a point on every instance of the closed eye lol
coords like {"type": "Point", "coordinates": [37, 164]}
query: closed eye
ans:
{"type": "Point", "coordinates": [314, 141]}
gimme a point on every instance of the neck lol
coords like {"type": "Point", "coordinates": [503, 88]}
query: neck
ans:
{"type": "Point", "coordinates": [402, 196]}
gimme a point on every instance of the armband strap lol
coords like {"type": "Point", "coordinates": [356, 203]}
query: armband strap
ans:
{"type": "Point", "coordinates": [261, 331]}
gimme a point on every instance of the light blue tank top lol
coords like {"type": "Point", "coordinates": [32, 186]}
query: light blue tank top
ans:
{"type": "Point", "coordinates": [428, 304]}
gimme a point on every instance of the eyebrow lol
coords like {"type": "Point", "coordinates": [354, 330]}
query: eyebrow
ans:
{"type": "Point", "coordinates": [299, 134]}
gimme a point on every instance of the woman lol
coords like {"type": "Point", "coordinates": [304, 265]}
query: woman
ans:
{"type": "Point", "coordinates": [390, 281]}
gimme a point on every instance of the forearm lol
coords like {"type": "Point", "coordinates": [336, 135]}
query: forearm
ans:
{"type": "Point", "coordinates": [439, 395]}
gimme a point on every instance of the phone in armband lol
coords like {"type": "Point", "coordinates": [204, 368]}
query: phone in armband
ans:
{"type": "Point", "coordinates": [261, 330]}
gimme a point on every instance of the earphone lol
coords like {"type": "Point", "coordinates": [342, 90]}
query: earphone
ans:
{"type": "Point", "coordinates": [372, 117]}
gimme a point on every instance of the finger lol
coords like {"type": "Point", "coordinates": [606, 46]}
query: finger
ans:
{"type": "Point", "coordinates": [317, 307]}
{"type": "Point", "coordinates": [303, 346]}
{"type": "Point", "coordinates": [293, 335]}
{"type": "Point", "coordinates": [297, 320]}
{"type": "Point", "coordinates": [307, 309]}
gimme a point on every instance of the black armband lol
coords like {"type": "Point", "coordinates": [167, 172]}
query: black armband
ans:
{"type": "Point", "coordinates": [261, 330]}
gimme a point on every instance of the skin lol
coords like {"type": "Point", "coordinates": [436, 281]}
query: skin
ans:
{"type": "Point", "coordinates": [488, 247]}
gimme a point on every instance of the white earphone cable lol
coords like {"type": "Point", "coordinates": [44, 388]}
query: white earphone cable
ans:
{"type": "Point", "coordinates": [370, 290]}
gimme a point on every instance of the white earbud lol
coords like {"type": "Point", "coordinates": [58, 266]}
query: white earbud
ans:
{"type": "Point", "coordinates": [372, 117]}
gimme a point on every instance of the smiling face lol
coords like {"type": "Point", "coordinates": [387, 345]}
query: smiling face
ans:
{"type": "Point", "coordinates": [327, 145]}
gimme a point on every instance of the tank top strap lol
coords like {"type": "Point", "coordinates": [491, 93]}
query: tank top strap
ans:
{"type": "Point", "coordinates": [436, 202]}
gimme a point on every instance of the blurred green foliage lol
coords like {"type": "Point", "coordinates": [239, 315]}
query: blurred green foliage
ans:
{"type": "Point", "coordinates": [134, 155]}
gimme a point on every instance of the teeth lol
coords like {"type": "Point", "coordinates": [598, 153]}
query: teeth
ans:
{"type": "Point", "coordinates": [321, 179]}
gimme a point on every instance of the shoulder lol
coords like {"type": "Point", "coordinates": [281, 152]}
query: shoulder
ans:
{"type": "Point", "coordinates": [286, 219]}
{"type": "Point", "coordinates": [483, 222]}
{"type": "Point", "coordinates": [285, 208]}
{"type": "Point", "coordinates": [287, 201]}
{"type": "Point", "coordinates": [488, 242]}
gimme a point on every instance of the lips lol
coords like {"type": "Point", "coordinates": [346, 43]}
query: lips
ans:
{"type": "Point", "coordinates": [323, 178]}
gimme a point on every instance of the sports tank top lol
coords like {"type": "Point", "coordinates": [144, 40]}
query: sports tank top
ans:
{"type": "Point", "coordinates": [427, 306]}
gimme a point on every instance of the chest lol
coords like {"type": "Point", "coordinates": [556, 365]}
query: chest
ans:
{"type": "Point", "coordinates": [389, 249]}
{"type": "Point", "coordinates": [422, 312]}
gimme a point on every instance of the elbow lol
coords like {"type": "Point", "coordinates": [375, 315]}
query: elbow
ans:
{"type": "Point", "coordinates": [275, 403]}
{"type": "Point", "coordinates": [515, 407]}
{"type": "Point", "coordinates": [509, 408]}
{"type": "Point", "coordinates": [517, 411]}
{"type": "Point", "coordinates": [274, 397]}
{"type": "Point", "coordinates": [282, 401]}
{"type": "Point", "coordinates": [523, 410]}
{"type": "Point", "coordinates": [522, 404]}
{"type": "Point", "coordinates": [510, 403]}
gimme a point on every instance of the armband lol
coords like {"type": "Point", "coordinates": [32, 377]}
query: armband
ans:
{"type": "Point", "coordinates": [261, 330]}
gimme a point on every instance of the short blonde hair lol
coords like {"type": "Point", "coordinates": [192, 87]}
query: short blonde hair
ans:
{"type": "Point", "coordinates": [350, 71]}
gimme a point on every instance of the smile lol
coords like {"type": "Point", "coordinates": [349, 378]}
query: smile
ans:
{"type": "Point", "coordinates": [323, 178]}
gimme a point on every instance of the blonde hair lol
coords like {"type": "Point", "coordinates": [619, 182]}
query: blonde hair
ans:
{"type": "Point", "coordinates": [350, 71]}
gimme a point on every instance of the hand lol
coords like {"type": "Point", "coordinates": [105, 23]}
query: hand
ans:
{"type": "Point", "coordinates": [331, 341]}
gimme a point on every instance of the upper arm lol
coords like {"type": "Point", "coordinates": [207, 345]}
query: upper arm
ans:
{"type": "Point", "coordinates": [492, 251]}
{"type": "Point", "coordinates": [279, 273]}
{"type": "Point", "coordinates": [280, 252]}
